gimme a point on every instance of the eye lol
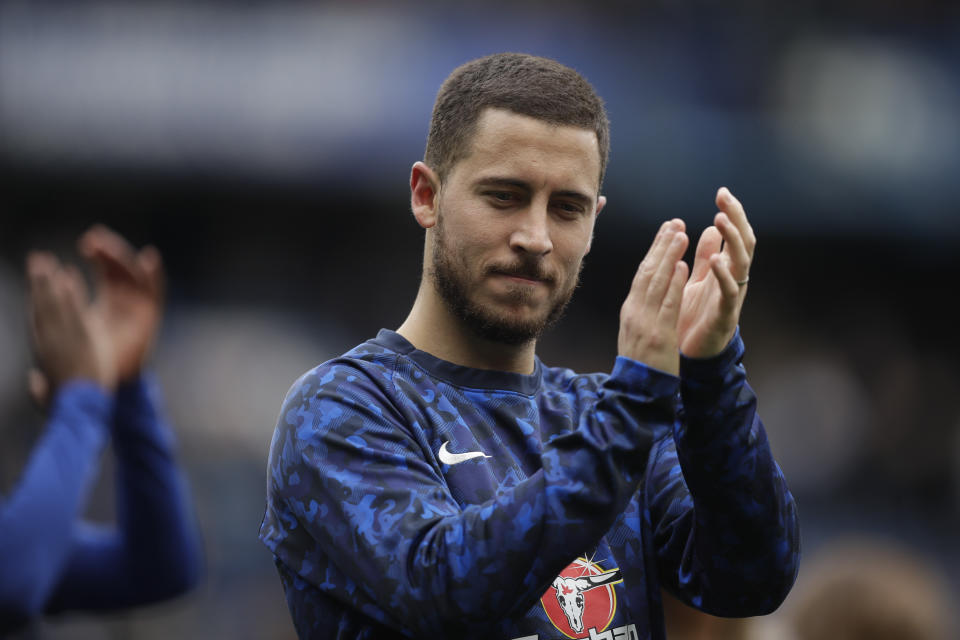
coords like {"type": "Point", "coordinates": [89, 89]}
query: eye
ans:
{"type": "Point", "coordinates": [570, 209]}
{"type": "Point", "coordinates": [501, 197]}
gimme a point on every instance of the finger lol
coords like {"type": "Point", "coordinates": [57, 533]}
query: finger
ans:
{"type": "Point", "coordinates": [720, 266]}
{"type": "Point", "coordinates": [111, 255]}
{"type": "Point", "coordinates": [654, 255]}
{"type": "Point", "coordinates": [670, 309]}
{"type": "Point", "coordinates": [638, 286]}
{"type": "Point", "coordinates": [728, 204]}
{"type": "Point", "coordinates": [710, 243]}
{"type": "Point", "coordinates": [41, 267]}
{"type": "Point", "coordinates": [38, 386]}
{"type": "Point", "coordinates": [76, 286]}
{"type": "Point", "coordinates": [734, 247]}
{"type": "Point", "coordinates": [65, 296]}
{"type": "Point", "coordinates": [151, 263]}
{"type": "Point", "coordinates": [663, 277]}
{"type": "Point", "coordinates": [655, 247]}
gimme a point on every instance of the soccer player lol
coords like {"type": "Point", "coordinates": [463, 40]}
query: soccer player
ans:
{"type": "Point", "coordinates": [91, 358]}
{"type": "Point", "coordinates": [440, 481]}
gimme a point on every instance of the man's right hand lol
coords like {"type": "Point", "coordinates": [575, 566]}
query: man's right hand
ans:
{"type": "Point", "coordinates": [648, 317]}
{"type": "Point", "coordinates": [68, 339]}
{"type": "Point", "coordinates": [129, 296]}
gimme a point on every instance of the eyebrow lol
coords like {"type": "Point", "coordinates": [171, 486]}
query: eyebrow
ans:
{"type": "Point", "coordinates": [495, 181]}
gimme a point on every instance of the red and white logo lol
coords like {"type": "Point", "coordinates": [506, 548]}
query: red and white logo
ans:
{"type": "Point", "coordinates": [582, 599]}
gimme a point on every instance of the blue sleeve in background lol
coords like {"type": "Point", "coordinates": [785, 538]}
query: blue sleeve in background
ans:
{"type": "Point", "coordinates": [154, 553]}
{"type": "Point", "coordinates": [37, 520]}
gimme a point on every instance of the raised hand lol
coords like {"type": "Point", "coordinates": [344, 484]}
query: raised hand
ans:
{"type": "Point", "coordinates": [69, 342]}
{"type": "Point", "coordinates": [648, 317]}
{"type": "Point", "coordinates": [714, 295]}
{"type": "Point", "coordinates": [129, 296]}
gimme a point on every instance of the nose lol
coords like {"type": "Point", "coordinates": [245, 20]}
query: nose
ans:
{"type": "Point", "coordinates": [532, 234]}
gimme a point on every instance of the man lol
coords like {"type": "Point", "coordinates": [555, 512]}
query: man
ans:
{"type": "Point", "coordinates": [90, 366]}
{"type": "Point", "coordinates": [441, 482]}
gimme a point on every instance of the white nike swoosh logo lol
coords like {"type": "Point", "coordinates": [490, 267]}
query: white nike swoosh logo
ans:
{"type": "Point", "coordinates": [453, 458]}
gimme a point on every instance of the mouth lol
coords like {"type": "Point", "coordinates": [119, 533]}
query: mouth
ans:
{"type": "Point", "coordinates": [524, 280]}
{"type": "Point", "coordinates": [527, 278]}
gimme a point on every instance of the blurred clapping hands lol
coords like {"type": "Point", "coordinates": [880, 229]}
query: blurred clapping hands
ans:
{"type": "Point", "coordinates": [105, 335]}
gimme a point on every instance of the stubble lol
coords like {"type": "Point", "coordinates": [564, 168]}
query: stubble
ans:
{"type": "Point", "coordinates": [451, 281]}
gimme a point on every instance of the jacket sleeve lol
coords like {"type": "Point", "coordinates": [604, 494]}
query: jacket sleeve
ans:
{"type": "Point", "coordinates": [154, 552]}
{"type": "Point", "coordinates": [726, 528]}
{"type": "Point", "coordinates": [36, 521]}
{"type": "Point", "coordinates": [357, 508]}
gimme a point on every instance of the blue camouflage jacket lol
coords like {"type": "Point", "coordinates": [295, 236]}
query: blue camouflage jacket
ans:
{"type": "Point", "coordinates": [408, 496]}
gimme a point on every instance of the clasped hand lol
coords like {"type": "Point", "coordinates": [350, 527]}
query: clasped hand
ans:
{"type": "Point", "coordinates": [105, 339]}
{"type": "Point", "coordinates": [671, 309]}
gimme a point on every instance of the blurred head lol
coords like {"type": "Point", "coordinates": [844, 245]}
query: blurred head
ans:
{"type": "Point", "coordinates": [683, 622]}
{"type": "Point", "coordinates": [866, 590]}
{"type": "Point", "coordinates": [528, 85]}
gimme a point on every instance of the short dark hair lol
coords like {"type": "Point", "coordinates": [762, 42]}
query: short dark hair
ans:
{"type": "Point", "coordinates": [528, 85]}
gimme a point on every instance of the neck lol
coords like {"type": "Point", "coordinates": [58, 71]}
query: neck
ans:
{"type": "Point", "coordinates": [432, 328]}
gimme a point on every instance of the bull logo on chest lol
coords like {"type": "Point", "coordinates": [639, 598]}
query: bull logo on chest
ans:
{"type": "Point", "coordinates": [581, 596]}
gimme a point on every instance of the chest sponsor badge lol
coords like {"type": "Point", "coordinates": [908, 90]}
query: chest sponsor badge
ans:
{"type": "Point", "coordinates": [581, 602]}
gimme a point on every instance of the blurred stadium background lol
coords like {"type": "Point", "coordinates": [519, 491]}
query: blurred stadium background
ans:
{"type": "Point", "coordinates": [265, 149]}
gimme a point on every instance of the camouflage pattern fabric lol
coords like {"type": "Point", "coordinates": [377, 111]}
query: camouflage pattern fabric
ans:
{"type": "Point", "coordinates": [408, 496]}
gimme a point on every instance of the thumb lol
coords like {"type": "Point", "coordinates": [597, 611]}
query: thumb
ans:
{"type": "Point", "coordinates": [39, 387]}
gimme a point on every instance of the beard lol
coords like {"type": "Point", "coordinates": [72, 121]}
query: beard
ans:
{"type": "Point", "coordinates": [452, 283]}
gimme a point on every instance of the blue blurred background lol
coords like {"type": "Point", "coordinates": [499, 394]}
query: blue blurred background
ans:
{"type": "Point", "coordinates": [265, 149]}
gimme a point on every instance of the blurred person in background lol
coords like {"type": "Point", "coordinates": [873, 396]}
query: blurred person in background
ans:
{"type": "Point", "coordinates": [440, 481]}
{"type": "Point", "coordinates": [683, 622]}
{"type": "Point", "coordinates": [90, 360]}
{"type": "Point", "coordinates": [868, 589]}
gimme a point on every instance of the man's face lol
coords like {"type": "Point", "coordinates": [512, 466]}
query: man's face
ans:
{"type": "Point", "coordinates": [515, 219]}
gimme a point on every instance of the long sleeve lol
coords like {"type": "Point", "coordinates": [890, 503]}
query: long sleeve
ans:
{"type": "Point", "coordinates": [36, 521]}
{"type": "Point", "coordinates": [359, 505]}
{"type": "Point", "coordinates": [154, 552]}
{"type": "Point", "coordinates": [726, 528]}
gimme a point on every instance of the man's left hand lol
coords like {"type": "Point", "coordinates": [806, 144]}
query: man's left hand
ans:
{"type": "Point", "coordinates": [714, 294]}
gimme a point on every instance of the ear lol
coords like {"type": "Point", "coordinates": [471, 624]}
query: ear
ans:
{"type": "Point", "coordinates": [424, 194]}
{"type": "Point", "coordinates": [601, 203]}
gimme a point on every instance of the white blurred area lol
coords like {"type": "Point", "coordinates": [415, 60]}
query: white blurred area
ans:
{"type": "Point", "coordinates": [258, 87]}
{"type": "Point", "coordinates": [326, 91]}
{"type": "Point", "coordinates": [869, 108]}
